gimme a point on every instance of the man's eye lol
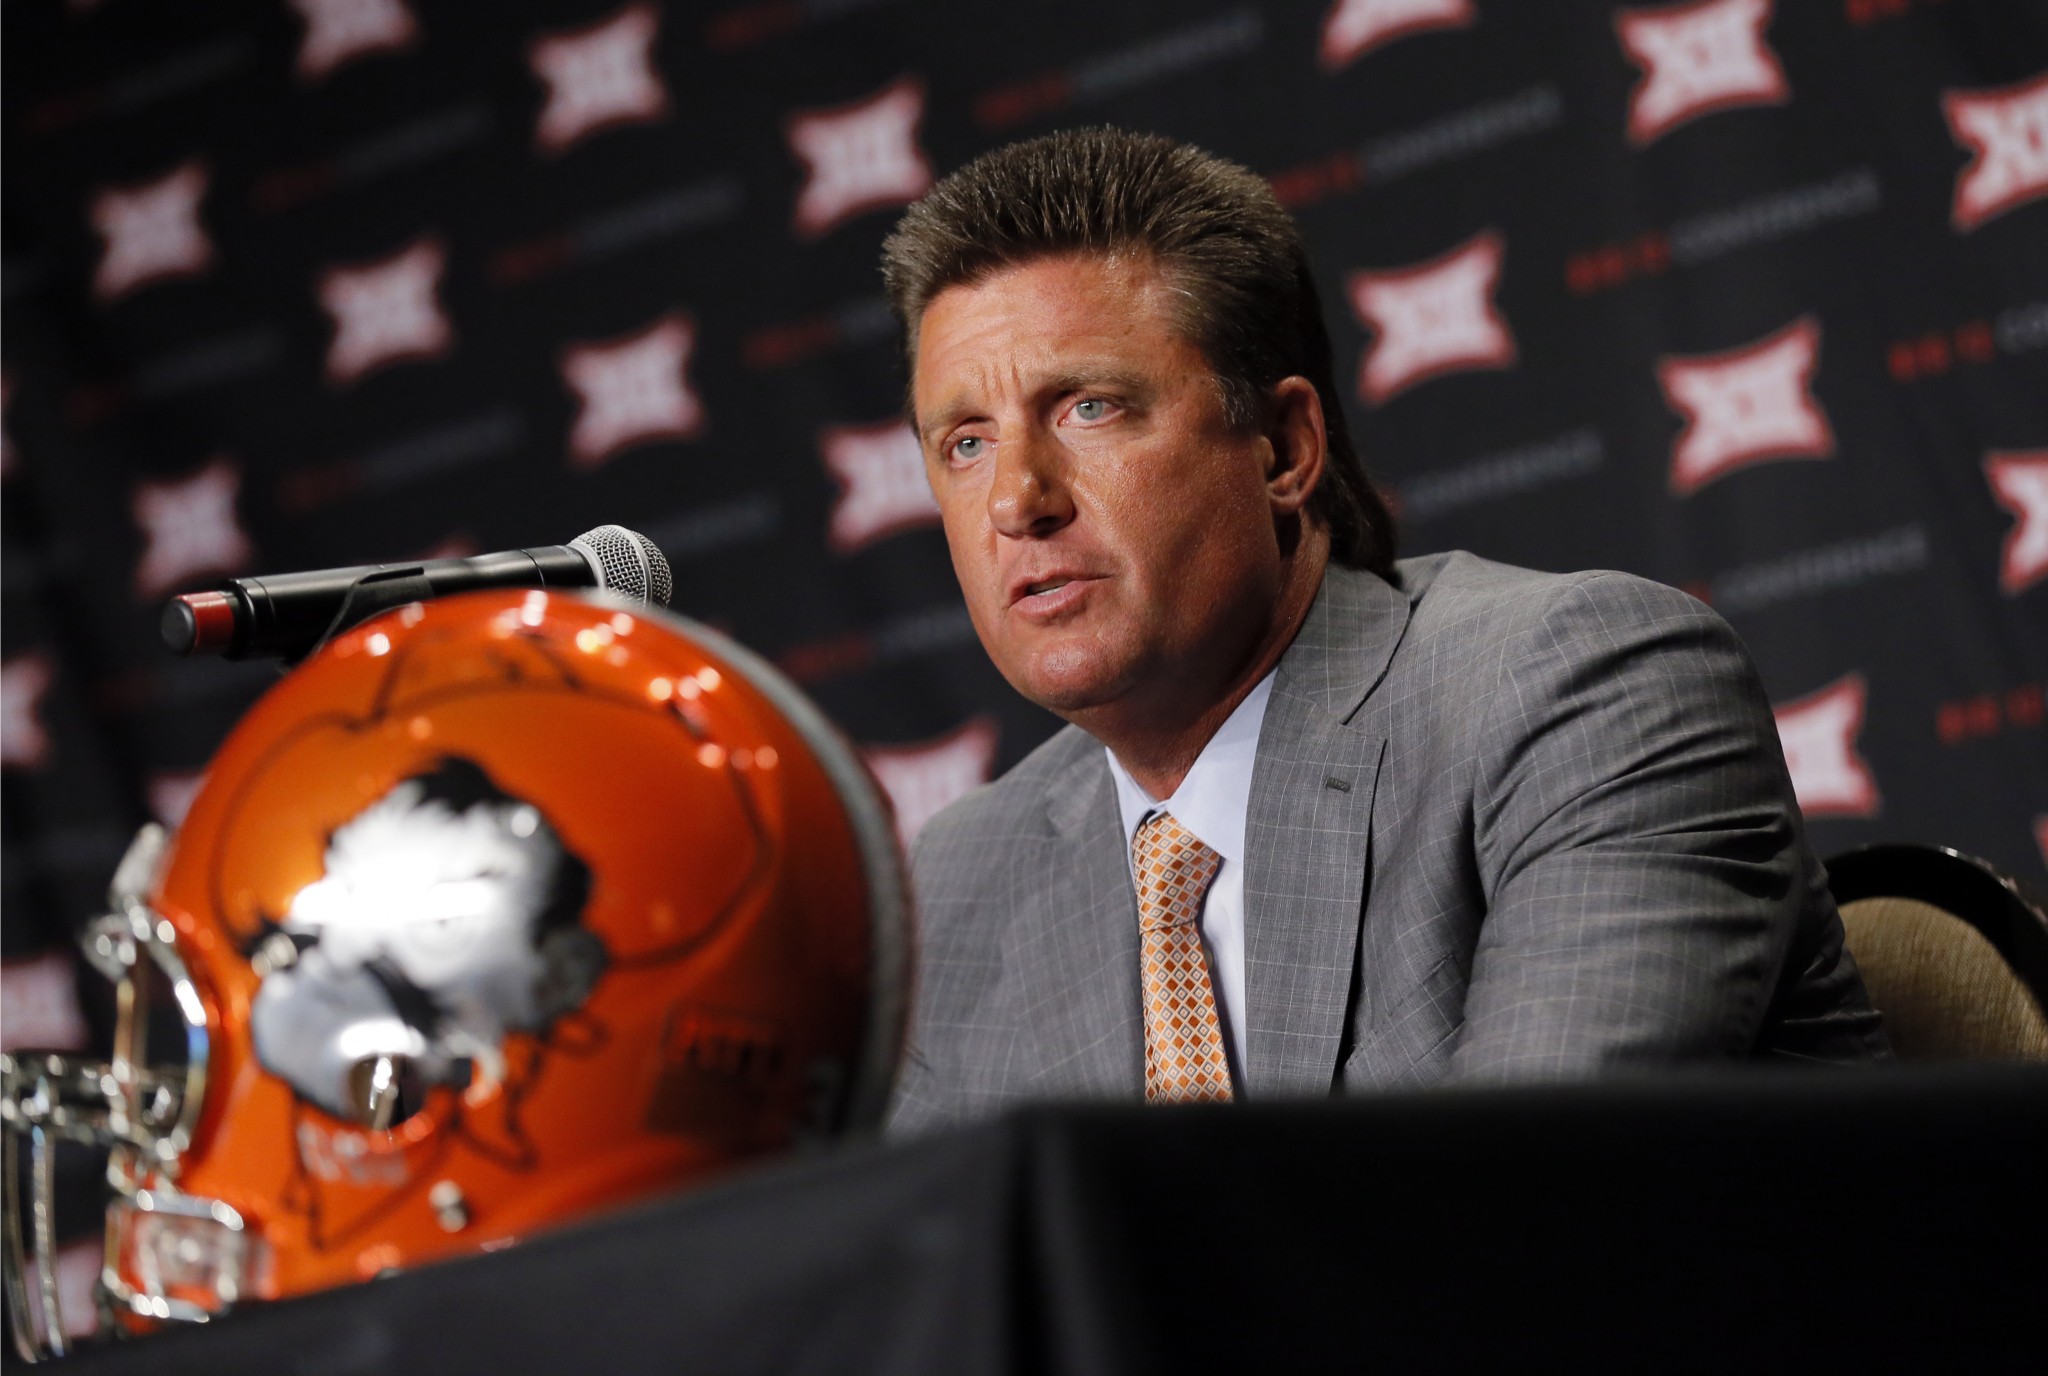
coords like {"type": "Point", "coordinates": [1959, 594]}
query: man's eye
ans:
{"type": "Point", "coordinates": [968, 447]}
{"type": "Point", "coordinates": [1091, 409]}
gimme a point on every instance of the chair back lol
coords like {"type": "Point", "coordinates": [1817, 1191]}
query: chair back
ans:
{"type": "Point", "coordinates": [1954, 953]}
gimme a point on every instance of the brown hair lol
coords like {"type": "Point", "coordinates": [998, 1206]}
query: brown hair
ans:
{"type": "Point", "coordinates": [1248, 300]}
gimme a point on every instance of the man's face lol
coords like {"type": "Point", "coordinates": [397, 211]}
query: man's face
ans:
{"type": "Point", "coordinates": [1113, 534]}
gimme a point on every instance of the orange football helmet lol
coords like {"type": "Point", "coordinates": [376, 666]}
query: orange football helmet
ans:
{"type": "Point", "coordinates": [496, 911]}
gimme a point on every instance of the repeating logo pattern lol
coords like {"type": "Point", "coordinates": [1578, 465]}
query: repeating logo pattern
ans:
{"type": "Point", "coordinates": [632, 390]}
{"type": "Point", "coordinates": [151, 232]}
{"type": "Point", "coordinates": [1580, 262]}
{"type": "Point", "coordinates": [2020, 482]}
{"type": "Point", "coordinates": [340, 31]}
{"type": "Point", "coordinates": [1433, 318]}
{"type": "Point", "coordinates": [859, 157]}
{"type": "Point", "coordinates": [1354, 28]}
{"type": "Point", "coordinates": [385, 312]}
{"type": "Point", "coordinates": [39, 1004]}
{"type": "Point", "coordinates": [170, 793]}
{"type": "Point", "coordinates": [1698, 58]}
{"type": "Point", "coordinates": [24, 681]}
{"type": "Point", "coordinates": [920, 780]}
{"type": "Point", "coordinates": [882, 486]}
{"type": "Point", "coordinates": [597, 77]}
{"type": "Point", "coordinates": [2006, 132]}
{"type": "Point", "coordinates": [1746, 406]}
{"type": "Point", "coordinates": [189, 527]}
{"type": "Point", "coordinates": [1819, 734]}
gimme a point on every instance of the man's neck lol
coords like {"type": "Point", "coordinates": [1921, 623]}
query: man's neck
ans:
{"type": "Point", "coordinates": [1159, 763]}
{"type": "Point", "coordinates": [1158, 747]}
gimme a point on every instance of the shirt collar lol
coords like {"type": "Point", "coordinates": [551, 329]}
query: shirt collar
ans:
{"type": "Point", "coordinates": [1214, 798]}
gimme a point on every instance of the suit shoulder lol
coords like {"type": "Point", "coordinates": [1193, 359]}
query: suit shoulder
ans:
{"type": "Point", "coordinates": [1481, 598]}
{"type": "Point", "coordinates": [996, 810]}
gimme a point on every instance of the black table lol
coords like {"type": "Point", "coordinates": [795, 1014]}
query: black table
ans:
{"type": "Point", "coordinates": [1871, 1221]}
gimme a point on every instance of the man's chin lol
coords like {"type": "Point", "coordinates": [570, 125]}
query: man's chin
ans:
{"type": "Point", "coordinates": [1069, 685]}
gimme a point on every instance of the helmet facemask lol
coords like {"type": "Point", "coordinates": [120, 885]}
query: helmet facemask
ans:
{"type": "Point", "coordinates": [188, 1256]}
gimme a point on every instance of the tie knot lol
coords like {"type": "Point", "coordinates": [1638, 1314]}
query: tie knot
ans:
{"type": "Point", "coordinates": [1174, 869]}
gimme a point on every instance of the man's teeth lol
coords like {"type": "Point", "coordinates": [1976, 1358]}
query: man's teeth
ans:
{"type": "Point", "coordinates": [1053, 586]}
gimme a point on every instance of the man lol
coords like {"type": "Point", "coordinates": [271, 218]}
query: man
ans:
{"type": "Point", "coordinates": [1321, 822]}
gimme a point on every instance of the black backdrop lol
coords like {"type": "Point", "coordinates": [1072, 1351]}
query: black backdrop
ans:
{"type": "Point", "coordinates": [1749, 298]}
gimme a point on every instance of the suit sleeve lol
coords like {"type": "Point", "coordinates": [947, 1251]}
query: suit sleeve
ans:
{"type": "Point", "coordinates": [1644, 866]}
{"type": "Point", "coordinates": [913, 1100]}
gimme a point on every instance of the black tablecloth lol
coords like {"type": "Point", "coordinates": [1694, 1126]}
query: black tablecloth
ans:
{"type": "Point", "coordinates": [1871, 1221]}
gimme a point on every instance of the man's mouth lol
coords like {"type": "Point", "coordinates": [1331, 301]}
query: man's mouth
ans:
{"type": "Point", "coordinates": [1049, 592]}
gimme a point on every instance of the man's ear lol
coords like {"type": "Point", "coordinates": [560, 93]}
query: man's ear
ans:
{"type": "Point", "coordinates": [1299, 444]}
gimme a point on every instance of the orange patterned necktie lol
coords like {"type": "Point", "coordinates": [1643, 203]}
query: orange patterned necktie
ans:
{"type": "Point", "coordinates": [1183, 1036]}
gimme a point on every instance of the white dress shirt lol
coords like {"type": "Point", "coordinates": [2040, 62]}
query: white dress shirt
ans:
{"type": "Point", "coordinates": [1212, 802]}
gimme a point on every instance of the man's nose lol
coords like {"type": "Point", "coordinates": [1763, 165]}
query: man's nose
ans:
{"type": "Point", "coordinates": [1028, 495]}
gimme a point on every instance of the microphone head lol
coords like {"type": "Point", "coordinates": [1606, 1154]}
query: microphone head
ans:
{"type": "Point", "coordinates": [627, 561]}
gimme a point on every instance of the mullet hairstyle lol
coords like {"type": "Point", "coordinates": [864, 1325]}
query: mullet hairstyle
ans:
{"type": "Point", "coordinates": [1233, 254]}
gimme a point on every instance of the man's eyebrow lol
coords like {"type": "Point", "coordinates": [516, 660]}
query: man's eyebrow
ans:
{"type": "Point", "coordinates": [1110, 379]}
{"type": "Point", "coordinates": [942, 417]}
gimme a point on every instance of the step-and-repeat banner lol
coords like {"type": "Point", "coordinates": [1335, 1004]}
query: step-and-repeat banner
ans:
{"type": "Point", "coordinates": [1748, 297]}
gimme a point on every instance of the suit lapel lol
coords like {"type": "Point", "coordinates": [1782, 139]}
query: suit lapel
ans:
{"type": "Point", "coordinates": [1077, 966]}
{"type": "Point", "coordinates": [1308, 834]}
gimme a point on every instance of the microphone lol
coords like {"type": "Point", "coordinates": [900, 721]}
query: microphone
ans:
{"type": "Point", "coordinates": [291, 614]}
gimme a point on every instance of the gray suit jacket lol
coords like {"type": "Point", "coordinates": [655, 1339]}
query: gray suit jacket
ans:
{"type": "Point", "coordinates": [1503, 825]}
